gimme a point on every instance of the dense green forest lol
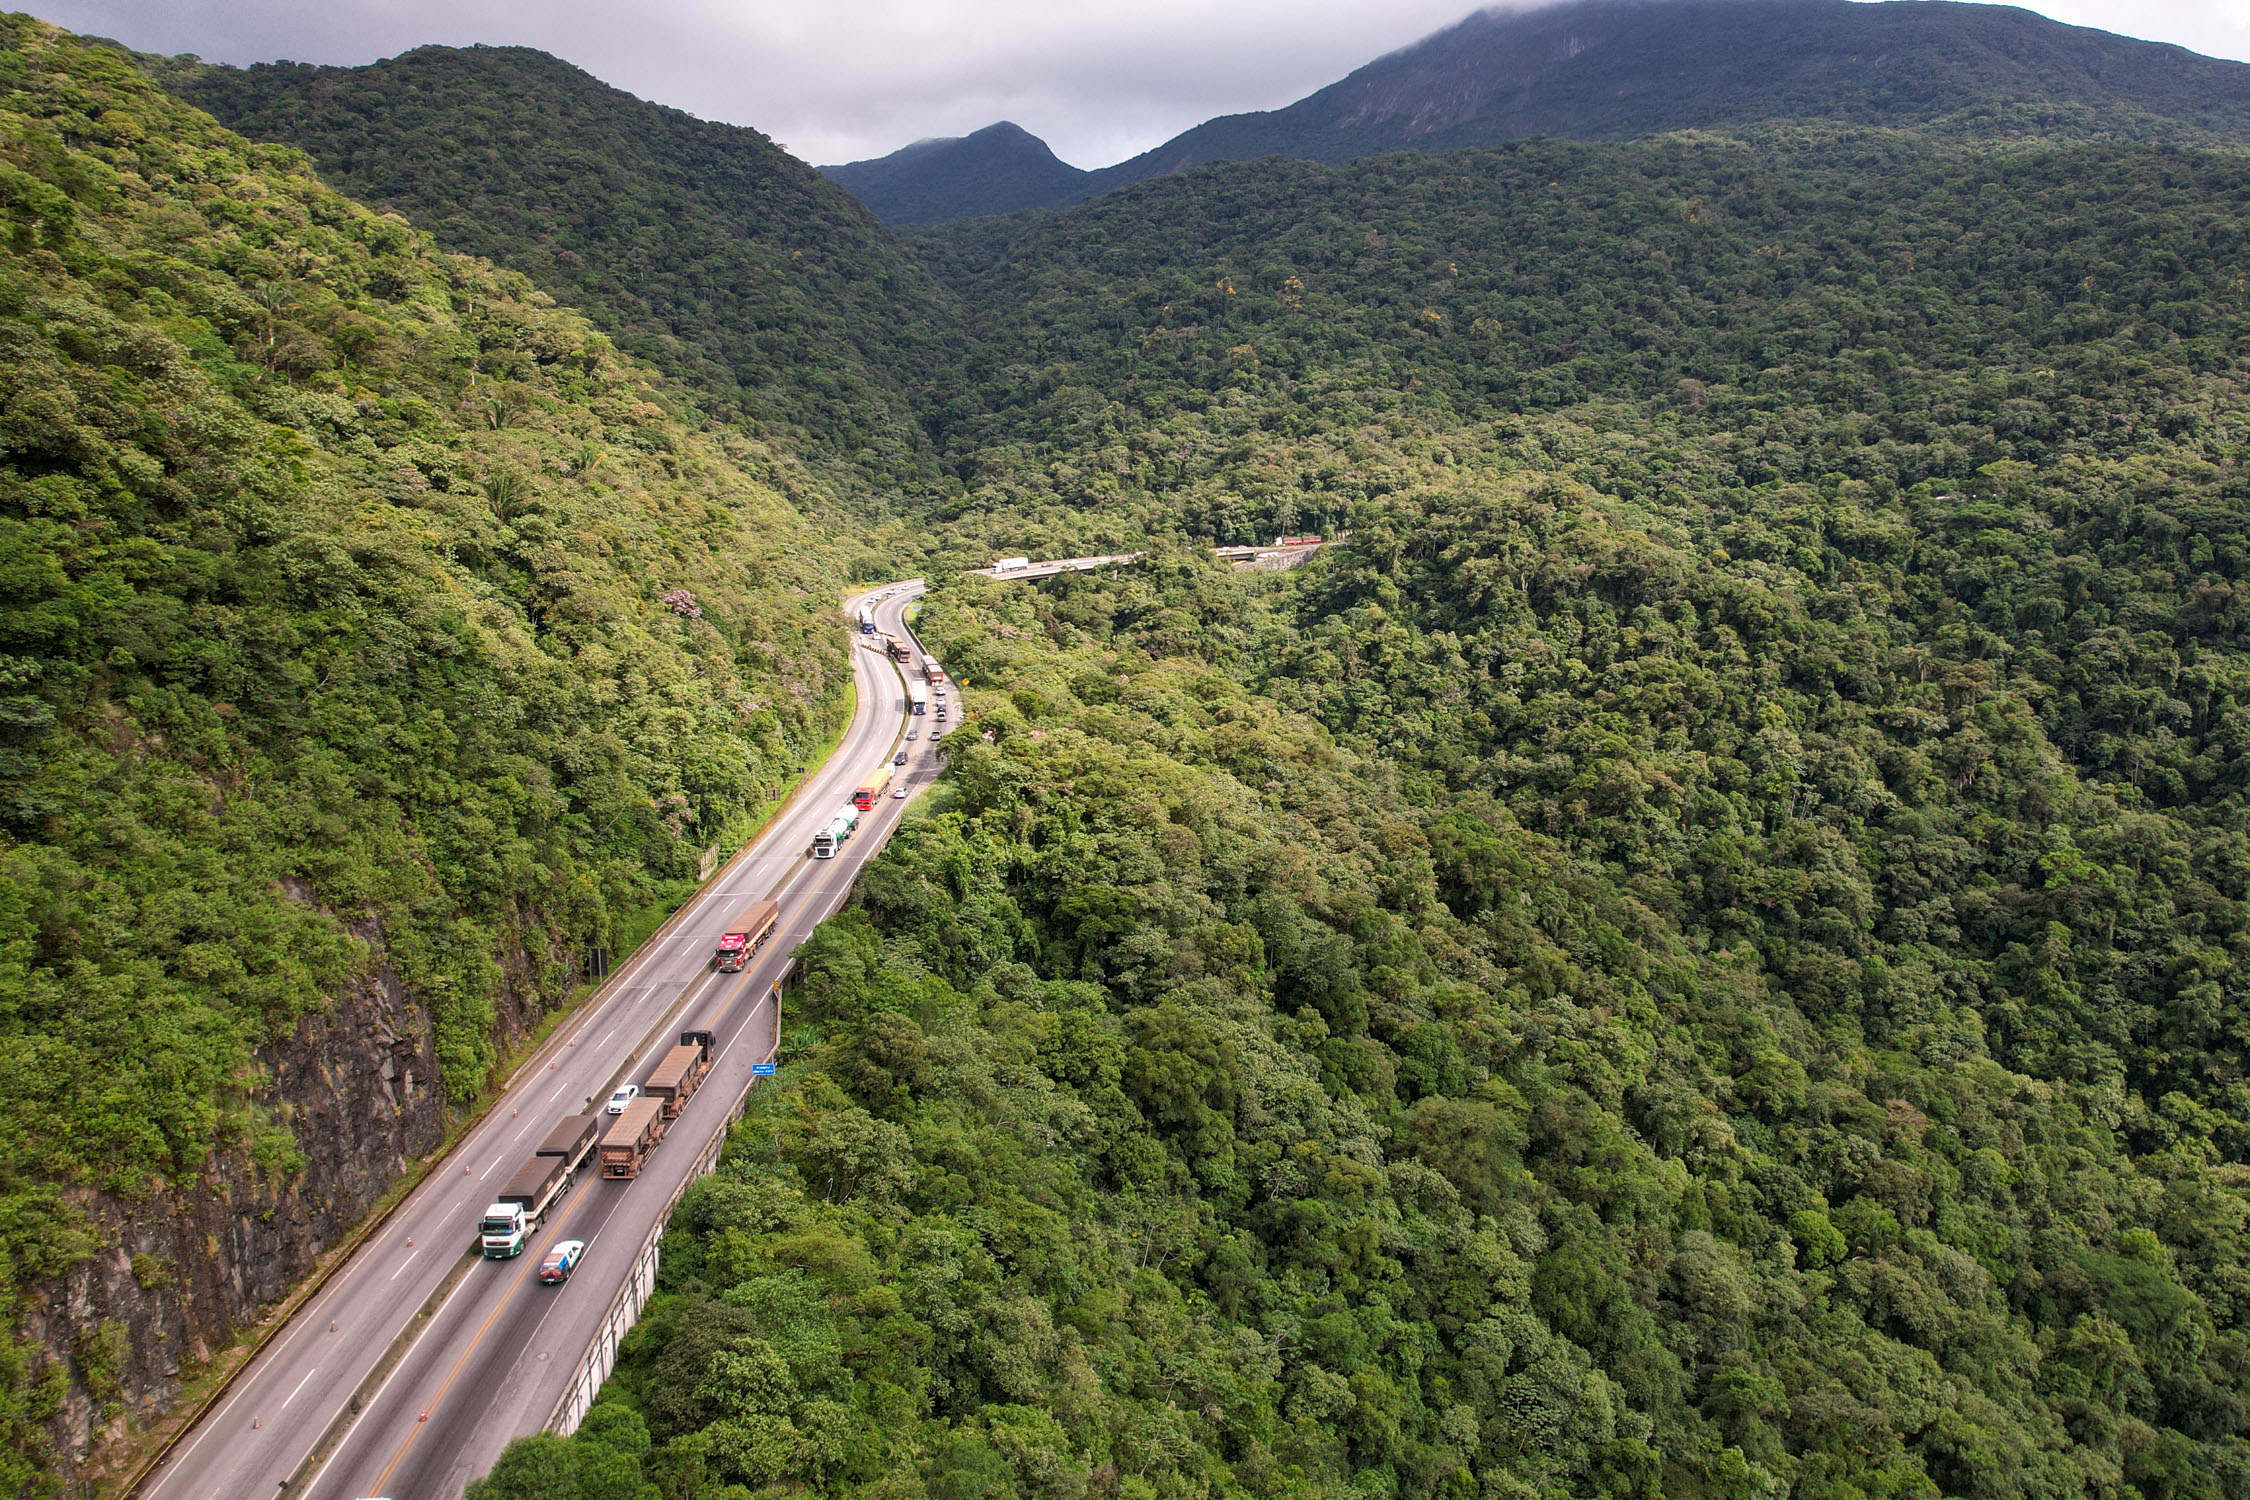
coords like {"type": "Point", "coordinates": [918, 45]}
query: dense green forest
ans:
{"type": "Point", "coordinates": [701, 247]}
{"type": "Point", "coordinates": [1699, 952]}
{"type": "Point", "coordinates": [359, 608]}
{"type": "Point", "coordinates": [1195, 1105]}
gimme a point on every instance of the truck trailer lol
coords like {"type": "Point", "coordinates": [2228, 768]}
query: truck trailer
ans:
{"type": "Point", "coordinates": [677, 1077]}
{"type": "Point", "coordinates": [632, 1136]}
{"type": "Point", "coordinates": [745, 935]}
{"type": "Point", "coordinates": [826, 842]}
{"type": "Point", "coordinates": [572, 1137]}
{"type": "Point", "coordinates": [510, 1218]}
{"type": "Point", "coordinates": [871, 790]}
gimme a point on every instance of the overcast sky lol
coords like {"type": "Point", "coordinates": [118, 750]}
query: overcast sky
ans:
{"type": "Point", "coordinates": [837, 80]}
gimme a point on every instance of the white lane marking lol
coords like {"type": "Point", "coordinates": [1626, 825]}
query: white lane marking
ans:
{"type": "Point", "coordinates": [487, 1172]}
{"type": "Point", "coordinates": [527, 1126]}
{"type": "Point", "coordinates": [606, 1036]}
{"type": "Point", "coordinates": [402, 1264]}
{"type": "Point", "coordinates": [783, 856]}
{"type": "Point", "coordinates": [309, 1374]}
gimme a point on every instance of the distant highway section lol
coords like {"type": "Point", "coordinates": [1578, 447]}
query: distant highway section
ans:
{"type": "Point", "coordinates": [332, 1407]}
{"type": "Point", "coordinates": [1286, 552]}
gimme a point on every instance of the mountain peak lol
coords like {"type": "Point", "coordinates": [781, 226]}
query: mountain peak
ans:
{"type": "Point", "coordinates": [996, 170]}
{"type": "Point", "coordinates": [1616, 69]}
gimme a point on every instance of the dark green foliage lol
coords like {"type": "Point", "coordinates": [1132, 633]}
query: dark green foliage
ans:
{"type": "Point", "coordinates": [1514, 1186]}
{"type": "Point", "coordinates": [335, 644]}
{"type": "Point", "coordinates": [703, 248]}
{"type": "Point", "coordinates": [997, 170]}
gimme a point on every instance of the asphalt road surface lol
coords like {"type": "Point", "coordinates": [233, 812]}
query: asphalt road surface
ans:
{"type": "Point", "coordinates": [492, 1361]}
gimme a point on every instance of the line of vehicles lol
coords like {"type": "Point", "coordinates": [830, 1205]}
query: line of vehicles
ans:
{"type": "Point", "coordinates": [638, 1114]}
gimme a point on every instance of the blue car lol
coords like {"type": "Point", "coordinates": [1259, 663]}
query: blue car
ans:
{"type": "Point", "coordinates": [561, 1261]}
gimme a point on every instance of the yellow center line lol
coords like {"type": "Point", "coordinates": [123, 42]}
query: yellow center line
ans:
{"type": "Point", "coordinates": [731, 994]}
{"type": "Point", "coordinates": [383, 1479]}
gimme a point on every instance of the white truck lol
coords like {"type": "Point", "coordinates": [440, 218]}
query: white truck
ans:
{"type": "Point", "coordinates": [1011, 565]}
{"type": "Point", "coordinates": [537, 1185]}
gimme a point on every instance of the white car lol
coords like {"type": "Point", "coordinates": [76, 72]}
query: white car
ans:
{"type": "Point", "coordinates": [914, 734]}
{"type": "Point", "coordinates": [626, 1094]}
{"type": "Point", "coordinates": [900, 793]}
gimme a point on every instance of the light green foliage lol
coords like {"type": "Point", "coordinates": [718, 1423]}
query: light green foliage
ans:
{"type": "Point", "coordinates": [704, 248]}
{"type": "Point", "coordinates": [334, 634]}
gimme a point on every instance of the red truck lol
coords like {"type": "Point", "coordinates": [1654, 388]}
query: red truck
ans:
{"type": "Point", "coordinates": [745, 936]}
{"type": "Point", "coordinates": [874, 786]}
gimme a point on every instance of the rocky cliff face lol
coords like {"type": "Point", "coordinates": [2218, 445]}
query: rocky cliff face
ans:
{"type": "Point", "coordinates": [182, 1273]}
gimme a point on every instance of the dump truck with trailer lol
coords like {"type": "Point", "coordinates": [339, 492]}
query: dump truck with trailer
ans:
{"type": "Point", "coordinates": [512, 1215]}
{"type": "Point", "coordinates": [632, 1136]}
{"type": "Point", "coordinates": [745, 935]}
{"type": "Point", "coordinates": [677, 1077]}
{"type": "Point", "coordinates": [572, 1137]}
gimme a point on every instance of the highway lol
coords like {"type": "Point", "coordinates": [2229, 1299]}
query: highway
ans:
{"type": "Point", "coordinates": [498, 1352]}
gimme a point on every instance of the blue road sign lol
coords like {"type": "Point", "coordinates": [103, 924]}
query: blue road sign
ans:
{"type": "Point", "coordinates": [761, 1069]}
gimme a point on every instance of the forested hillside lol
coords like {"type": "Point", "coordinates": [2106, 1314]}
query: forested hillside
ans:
{"type": "Point", "coordinates": [377, 642]}
{"type": "Point", "coordinates": [1618, 69]}
{"type": "Point", "coordinates": [701, 247]}
{"type": "Point", "coordinates": [1197, 1105]}
{"type": "Point", "coordinates": [1701, 952]}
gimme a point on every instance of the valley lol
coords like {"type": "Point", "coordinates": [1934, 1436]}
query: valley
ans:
{"type": "Point", "coordinates": [1689, 936]}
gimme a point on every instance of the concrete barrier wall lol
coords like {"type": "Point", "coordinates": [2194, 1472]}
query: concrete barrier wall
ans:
{"type": "Point", "coordinates": [625, 1308]}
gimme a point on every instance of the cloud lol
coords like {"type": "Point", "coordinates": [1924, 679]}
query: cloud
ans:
{"type": "Point", "coordinates": [837, 80]}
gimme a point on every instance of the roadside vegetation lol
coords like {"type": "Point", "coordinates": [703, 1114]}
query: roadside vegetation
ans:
{"type": "Point", "coordinates": [1193, 1103]}
{"type": "Point", "coordinates": [363, 614]}
{"type": "Point", "coordinates": [1698, 953]}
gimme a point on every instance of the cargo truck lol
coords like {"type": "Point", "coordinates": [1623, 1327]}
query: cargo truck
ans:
{"type": "Point", "coordinates": [632, 1136]}
{"type": "Point", "coordinates": [872, 788]}
{"type": "Point", "coordinates": [826, 842]}
{"type": "Point", "coordinates": [511, 1217]}
{"type": "Point", "coordinates": [572, 1137]}
{"type": "Point", "coordinates": [745, 935]}
{"type": "Point", "coordinates": [677, 1077]}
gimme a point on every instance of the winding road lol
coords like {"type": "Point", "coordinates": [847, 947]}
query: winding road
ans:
{"type": "Point", "coordinates": [332, 1407]}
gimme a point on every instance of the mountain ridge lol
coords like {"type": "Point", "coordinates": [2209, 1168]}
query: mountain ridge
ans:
{"type": "Point", "coordinates": [699, 246]}
{"type": "Point", "coordinates": [1616, 69]}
